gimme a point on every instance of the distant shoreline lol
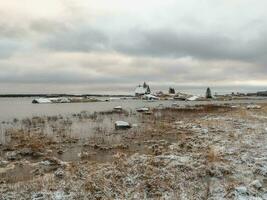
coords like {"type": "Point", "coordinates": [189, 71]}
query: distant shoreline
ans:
{"type": "Point", "coordinates": [59, 95]}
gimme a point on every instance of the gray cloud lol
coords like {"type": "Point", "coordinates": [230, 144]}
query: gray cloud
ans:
{"type": "Point", "coordinates": [7, 48]}
{"type": "Point", "coordinates": [11, 31]}
{"type": "Point", "coordinates": [168, 43]}
{"type": "Point", "coordinates": [214, 46]}
{"type": "Point", "coordinates": [77, 43]}
{"type": "Point", "coordinates": [85, 39]}
{"type": "Point", "coordinates": [44, 26]}
{"type": "Point", "coordinates": [162, 43]}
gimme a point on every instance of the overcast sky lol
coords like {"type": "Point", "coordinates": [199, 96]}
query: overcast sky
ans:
{"type": "Point", "coordinates": [84, 46]}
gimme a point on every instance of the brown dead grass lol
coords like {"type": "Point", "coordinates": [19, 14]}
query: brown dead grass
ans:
{"type": "Point", "coordinates": [36, 142]}
{"type": "Point", "coordinates": [213, 155]}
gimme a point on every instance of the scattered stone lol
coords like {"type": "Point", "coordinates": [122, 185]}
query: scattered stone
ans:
{"type": "Point", "coordinates": [26, 152]}
{"type": "Point", "coordinates": [205, 131]}
{"type": "Point", "coordinates": [122, 125]}
{"type": "Point", "coordinates": [241, 190]}
{"type": "Point", "coordinates": [104, 148]}
{"type": "Point", "coordinates": [253, 107]}
{"type": "Point", "coordinates": [256, 184]}
{"type": "Point", "coordinates": [60, 151]}
{"type": "Point", "coordinates": [37, 154]}
{"type": "Point", "coordinates": [121, 146]}
{"type": "Point", "coordinates": [261, 170]}
{"type": "Point", "coordinates": [59, 173]}
{"type": "Point", "coordinates": [3, 163]}
{"type": "Point", "coordinates": [143, 109]}
{"type": "Point", "coordinates": [12, 156]}
{"type": "Point", "coordinates": [52, 162]}
{"type": "Point", "coordinates": [117, 108]}
{"type": "Point", "coordinates": [156, 149]}
{"type": "Point", "coordinates": [96, 146]}
{"type": "Point", "coordinates": [86, 155]}
{"type": "Point", "coordinates": [38, 196]}
{"type": "Point", "coordinates": [49, 151]}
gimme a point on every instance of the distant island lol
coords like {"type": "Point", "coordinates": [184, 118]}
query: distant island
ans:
{"type": "Point", "coordinates": [259, 94]}
{"type": "Point", "coordinates": [61, 95]}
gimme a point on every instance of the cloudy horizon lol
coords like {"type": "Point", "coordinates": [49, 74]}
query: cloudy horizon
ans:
{"type": "Point", "coordinates": [82, 46]}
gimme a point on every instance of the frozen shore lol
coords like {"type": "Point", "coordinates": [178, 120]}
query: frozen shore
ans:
{"type": "Point", "coordinates": [193, 152]}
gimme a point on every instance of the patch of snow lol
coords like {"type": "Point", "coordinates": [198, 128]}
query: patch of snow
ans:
{"type": "Point", "coordinates": [256, 184]}
{"type": "Point", "coordinates": [253, 107]}
{"type": "Point", "coordinates": [140, 90]}
{"type": "Point", "coordinates": [150, 97]}
{"type": "Point", "coordinates": [117, 108]}
{"type": "Point", "coordinates": [205, 131]}
{"type": "Point", "coordinates": [193, 98]}
{"type": "Point", "coordinates": [143, 109]}
{"type": "Point", "coordinates": [42, 101]}
{"type": "Point", "coordinates": [114, 98]}
{"type": "Point", "coordinates": [241, 190]}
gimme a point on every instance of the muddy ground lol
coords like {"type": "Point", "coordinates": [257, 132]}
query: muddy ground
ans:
{"type": "Point", "coordinates": [197, 152]}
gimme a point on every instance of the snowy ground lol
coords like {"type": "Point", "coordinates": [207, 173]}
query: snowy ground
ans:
{"type": "Point", "coordinates": [204, 152]}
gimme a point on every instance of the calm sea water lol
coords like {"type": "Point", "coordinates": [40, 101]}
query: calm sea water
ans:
{"type": "Point", "coordinates": [11, 108]}
{"type": "Point", "coordinates": [22, 107]}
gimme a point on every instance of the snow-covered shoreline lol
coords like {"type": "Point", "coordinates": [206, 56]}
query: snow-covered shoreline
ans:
{"type": "Point", "coordinates": [205, 152]}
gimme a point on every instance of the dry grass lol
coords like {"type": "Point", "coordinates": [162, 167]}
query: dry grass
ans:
{"type": "Point", "coordinates": [36, 142]}
{"type": "Point", "coordinates": [148, 177]}
{"type": "Point", "coordinates": [229, 187]}
{"type": "Point", "coordinates": [242, 113]}
{"type": "Point", "coordinates": [213, 155]}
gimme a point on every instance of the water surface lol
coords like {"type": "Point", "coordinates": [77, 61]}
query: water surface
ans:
{"type": "Point", "coordinates": [19, 108]}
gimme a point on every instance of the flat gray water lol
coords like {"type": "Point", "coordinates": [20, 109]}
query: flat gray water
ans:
{"type": "Point", "coordinates": [11, 108]}
{"type": "Point", "coordinates": [19, 108]}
